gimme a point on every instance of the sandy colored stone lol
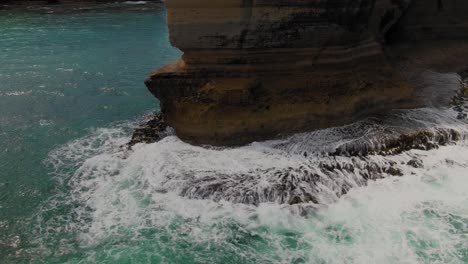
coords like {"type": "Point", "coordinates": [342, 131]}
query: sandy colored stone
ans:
{"type": "Point", "coordinates": [254, 70]}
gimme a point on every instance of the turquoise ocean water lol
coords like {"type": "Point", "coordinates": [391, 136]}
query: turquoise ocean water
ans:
{"type": "Point", "coordinates": [71, 90]}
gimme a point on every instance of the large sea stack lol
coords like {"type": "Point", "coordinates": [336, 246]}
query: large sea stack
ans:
{"type": "Point", "coordinates": [256, 69]}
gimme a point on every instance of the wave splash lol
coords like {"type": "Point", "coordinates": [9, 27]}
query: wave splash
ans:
{"type": "Point", "coordinates": [282, 201]}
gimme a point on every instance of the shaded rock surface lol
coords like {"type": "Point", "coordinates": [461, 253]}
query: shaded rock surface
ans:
{"type": "Point", "coordinates": [254, 70]}
{"type": "Point", "coordinates": [152, 130]}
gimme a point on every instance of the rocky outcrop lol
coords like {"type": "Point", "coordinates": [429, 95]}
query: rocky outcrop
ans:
{"type": "Point", "coordinates": [256, 69]}
{"type": "Point", "coordinates": [152, 130]}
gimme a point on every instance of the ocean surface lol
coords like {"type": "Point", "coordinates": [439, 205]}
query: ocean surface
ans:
{"type": "Point", "coordinates": [71, 92]}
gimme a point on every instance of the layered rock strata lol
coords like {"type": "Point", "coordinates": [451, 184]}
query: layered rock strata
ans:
{"type": "Point", "coordinates": [256, 69]}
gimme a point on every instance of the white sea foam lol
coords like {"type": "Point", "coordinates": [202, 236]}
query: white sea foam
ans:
{"type": "Point", "coordinates": [135, 2]}
{"type": "Point", "coordinates": [118, 194]}
{"type": "Point", "coordinates": [53, 93]}
{"type": "Point", "coordinates": [64, 70]}
{"type": "Point", "coordinates": [15, 93]}
{"type": "Point", "coordinates": [44, 122]}
{"type": "Point", "coordinates": [30, 92]}
{"type": "Point", "coordinates": [411, 219]}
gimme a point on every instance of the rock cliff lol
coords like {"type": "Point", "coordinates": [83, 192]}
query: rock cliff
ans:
{"type": "Point", "coordinates": [257, 69]}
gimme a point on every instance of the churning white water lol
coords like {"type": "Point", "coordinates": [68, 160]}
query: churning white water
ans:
{"type": "Point", "coordinates": [173, 202]}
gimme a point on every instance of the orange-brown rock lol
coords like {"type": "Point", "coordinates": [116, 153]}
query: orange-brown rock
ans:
{"type": "Point", "coordinates": [256, 69]}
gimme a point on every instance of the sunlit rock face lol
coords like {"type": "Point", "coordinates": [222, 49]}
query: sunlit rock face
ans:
{"type": "Point", "coordinates": [257, 69]}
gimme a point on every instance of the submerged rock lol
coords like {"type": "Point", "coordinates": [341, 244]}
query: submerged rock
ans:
{"type": "Point", "coordinates": [317, 181]}
{"type": "Point", "coordinates": [415, 163]}
{"type": "Point", "coordinates": [254, 70]}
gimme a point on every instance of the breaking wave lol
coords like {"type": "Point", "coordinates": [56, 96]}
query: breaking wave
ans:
{"type": "Point", "coordinates": [293, 200]}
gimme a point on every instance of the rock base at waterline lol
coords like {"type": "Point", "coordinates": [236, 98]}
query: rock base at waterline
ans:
{"type": "Point", "coordinates": [152, 130]}
{"type": "Point", "coordinates": [370, 149]}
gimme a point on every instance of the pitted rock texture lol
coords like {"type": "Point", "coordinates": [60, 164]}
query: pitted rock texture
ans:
{"type": "Point", "coordinates": [257, 69]}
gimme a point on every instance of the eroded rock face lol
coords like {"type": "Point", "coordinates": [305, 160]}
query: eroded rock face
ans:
{"type": "Point", "coordinates": [256, 69]}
